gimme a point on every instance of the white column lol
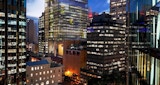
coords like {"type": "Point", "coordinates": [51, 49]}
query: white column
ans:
{"type": "Point", "coordinates": [152, 71]}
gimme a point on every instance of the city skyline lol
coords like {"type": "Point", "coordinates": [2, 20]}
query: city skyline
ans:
{"type": "Point", "coordinates": [79, 42]}
{"type": "Point", "coordinates": [36, 7]}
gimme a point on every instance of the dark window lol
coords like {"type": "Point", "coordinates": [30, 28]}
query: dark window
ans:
{"type": "Point", "coordinates": [9, 2]}
{"type": "Point", "coordinates": [78, 53]}
{"type": "Point", "coordinates": [14, 2]}
{"type": "Point", "coordinates": [66, 52]}
{"type": "Point", "coordinates": [73, 52]}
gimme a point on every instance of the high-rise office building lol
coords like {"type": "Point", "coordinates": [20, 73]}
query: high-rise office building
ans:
{"type": "Point", "coordinates": [64, 19]}
{"type": "Point", "coordinates": [31, 36]}
{"type": "Point", "coordinates": [12, 39]}
{"type": "Point", "coordinates": [118, 10]}
{"type": "Point", "coordinates": [144, 41]}
{"type": "Point", "coordinates": [67, 18]}
{"type": "Point", "coordinates": [143, 36]}
{"type": "Point", "coordinates": [41, 36]}
{"type": "Point", "coordinates": [105, 47]}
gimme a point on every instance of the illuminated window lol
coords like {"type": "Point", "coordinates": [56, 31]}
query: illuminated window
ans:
{"type": "Point", "coordinates": [40, 78]}
{"type": "Point", "coordinates": [43, 72]}
{"type": "Point", "coordinates": [31, 74]}
{"type": "Point", "coordinates": [50, 71]}
{"type": "Point", "coordinates": [32, 68]}
{"type": "Point", "coordinates": [37, 84]}
{"type": "Point", "coordinates": [52, 81]}
{"type": "Point", "coordinates": [59, 80]}
{"type": "Point", "coordinates": [47, 82]}
{"type": "Point", "coordinates": [40, 73]}
{"type": "Point", "coordinates": [42, 83]}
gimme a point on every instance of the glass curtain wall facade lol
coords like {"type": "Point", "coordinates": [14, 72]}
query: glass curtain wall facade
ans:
{"type": "Point", "coordinates": [148, 67]}
{"type": "Point", "coordinates": [67, 18]}
{"type": "Point", "coordinates": [139, 27]}
{"type": "Point", "coordinates": [64, 20]}
{"type": "Point", "coordinates": [144, 30]}
{"type": "Point", "coordinates": [143, 22]}
{"type": "Point", "coordinates": [12, 42]}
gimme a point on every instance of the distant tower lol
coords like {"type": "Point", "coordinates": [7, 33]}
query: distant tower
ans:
{"type": "Point", "coordinates": [31, 36]}
{"type": "Point", "coordinates": [118, 10]}
{"type": "Point", "coordinates": [30, 31]}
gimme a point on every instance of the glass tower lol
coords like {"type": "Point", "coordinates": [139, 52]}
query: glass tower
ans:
{"type": "Point", "coordinates": [144, 30]}
{"type": "Point", "coordinates": [67, 18]}
{"type": "Point", "coordinates": [142, 16]}
{"type": "Point", "coordinates": [12, 42]}
{"type": "Point", "coordinates": [64, 20]}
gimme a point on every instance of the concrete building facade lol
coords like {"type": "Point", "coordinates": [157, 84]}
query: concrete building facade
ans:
{"type": "Point", "coordinates": [44, 72]}
{"type": "Point", "coordinates": [74, 56]}
{"type": "Point", "coordinates": [105, 47]}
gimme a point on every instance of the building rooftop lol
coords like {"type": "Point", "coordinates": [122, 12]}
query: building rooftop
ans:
{"type": "Point", "coordinates": [52, 65]}
{"type": "Point", "coordinates": [103, 19]}
{"type": "Point", "coordinates": [41, 62]}
{"type": "Point", "coordinates": [57, 59]}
